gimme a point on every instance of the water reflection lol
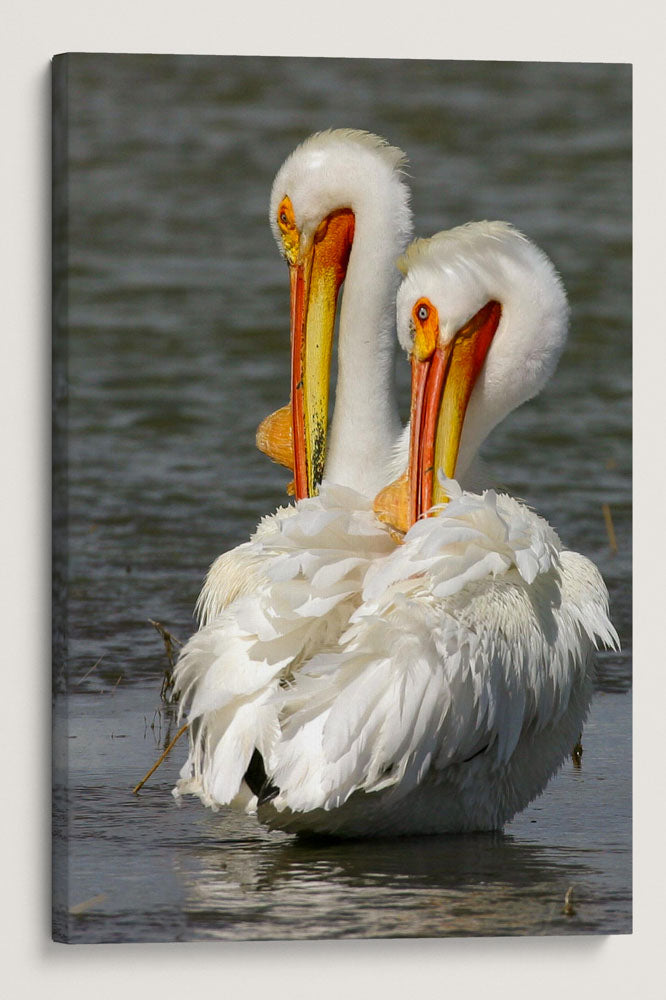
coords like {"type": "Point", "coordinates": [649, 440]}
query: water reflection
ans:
{"type": "Point", "coordinates": [152, 871]}
{"type": "Point", "coordinates": [482, 884]}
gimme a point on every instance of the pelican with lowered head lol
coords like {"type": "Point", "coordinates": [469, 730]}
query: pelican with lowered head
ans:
{"type": "Point", "coordinates": [340, 212]}
{"type": "Point", "coordinates": [465, 676]}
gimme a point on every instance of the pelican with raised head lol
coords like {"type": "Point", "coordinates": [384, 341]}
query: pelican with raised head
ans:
{"type": "Point", "coordinates": [464, 678]}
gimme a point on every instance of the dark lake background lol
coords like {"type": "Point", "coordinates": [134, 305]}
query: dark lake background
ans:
{"type": "Point", "coordinates": [173, 344]}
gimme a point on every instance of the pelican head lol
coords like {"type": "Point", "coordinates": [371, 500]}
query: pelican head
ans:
{"type": "Point", "coordinates": [327, 207]}
{"type": "Point", "coordinates": [483, 316]}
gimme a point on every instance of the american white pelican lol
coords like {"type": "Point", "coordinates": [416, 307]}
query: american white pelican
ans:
{"type": "Point", "coordinates": [464, 679]}
{"type": "Point", "coordinates": [339, 211]}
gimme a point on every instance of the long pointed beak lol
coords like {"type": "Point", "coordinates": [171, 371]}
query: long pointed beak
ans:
{"type": "Point", "coordinates": [441, 389]}
{"type": "Point", "coordinates": [315, 283]}
{"type": "Point", "coordinates": [467, 356]}
{"type": "Point", "coordinates": [299, 284]}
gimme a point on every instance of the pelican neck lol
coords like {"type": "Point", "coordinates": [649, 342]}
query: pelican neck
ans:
{"type": "Point", "coordinates": [365, 424]}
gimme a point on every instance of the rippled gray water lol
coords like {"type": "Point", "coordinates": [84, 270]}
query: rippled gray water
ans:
{"type": "Point", "coordinates": [177, 344]}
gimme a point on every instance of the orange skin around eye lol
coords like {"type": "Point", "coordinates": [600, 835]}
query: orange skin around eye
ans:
{"type": "Point", "coordinates": [286, 221]}
{"type": "Point", "coordinates": [426, 329]}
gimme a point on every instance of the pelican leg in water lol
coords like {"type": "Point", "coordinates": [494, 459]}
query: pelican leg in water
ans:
{"type": "Point", "coordinates": [466, 674]}
{"type": "Point", "coordinates": [339, 210]}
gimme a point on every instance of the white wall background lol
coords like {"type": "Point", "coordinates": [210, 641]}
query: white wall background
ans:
{"type": "Point", "coordinates": [585, 30]}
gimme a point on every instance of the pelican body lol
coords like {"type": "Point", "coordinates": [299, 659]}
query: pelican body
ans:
{"type": "Point", "coordinates": [369, 688]}
{"type": "Point", "coordinates": [465, 675]}
{"type": "Point", "coordinates": [339, 211]}
{"type": "Point", "coordinates": [458, 689]}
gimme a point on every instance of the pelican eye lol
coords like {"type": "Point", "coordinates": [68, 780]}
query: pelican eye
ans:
{"type": "Point", "coordinates": [426, 328]}
{"type": "Point", "coordinates": [285, 215]}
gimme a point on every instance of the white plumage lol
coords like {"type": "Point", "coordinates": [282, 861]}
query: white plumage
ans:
{"type": "Point", "coordinates": [331, 170]}
{"type": "Point", "coordinates": [431, 687]}
{"type": "Point", "coordinates": [458, 689]}
{"type": "Point", "coordinates": [460, 270]}
{"type": "Point", "coordinates": [465, 676]}
{"type": "Point", "coordinates": [231, 673]}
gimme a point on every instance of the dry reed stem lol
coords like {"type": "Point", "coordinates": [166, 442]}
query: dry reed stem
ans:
{"type": "Point", "coordinates": [168, 638]}
{"type": "Point", "coordinates": [157, 763]}
{"type": "Point", "coordinates": [87, 904]}
{"type": "Point", "coordinates": [612, 541]}
{"type": "Point", "coordinates": [95, 664]}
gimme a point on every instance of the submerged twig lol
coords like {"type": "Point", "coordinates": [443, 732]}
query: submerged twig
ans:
{"type": "Point", "coordinates": [88, 673]}
{"type": "Point", "coordinates": [159, 761]}
{"type": "Point", "coordinates": [87, 904]}
{"type": "Point", "coordinates": [168, 638]}
{"type": "Point", "coordinates": [612, 541]}
{"type": "Point", "coordinates": [569, 909]}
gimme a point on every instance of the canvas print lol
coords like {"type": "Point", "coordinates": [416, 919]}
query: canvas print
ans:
{"type": "Point", "coordinates": [341, 498]}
